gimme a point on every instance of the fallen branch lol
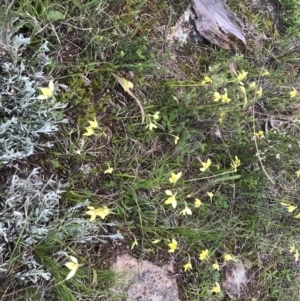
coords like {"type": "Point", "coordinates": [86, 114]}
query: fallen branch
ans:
{"type": "Point", "coordinates": [217, 23]}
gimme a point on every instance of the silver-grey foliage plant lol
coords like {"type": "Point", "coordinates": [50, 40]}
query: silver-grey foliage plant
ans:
{"type": "Point", "coordinates": [30, 205]}
{"type": "Point", "coordinates": [31, 215]}
{"type": "Point", "coordinates": [23, 117]}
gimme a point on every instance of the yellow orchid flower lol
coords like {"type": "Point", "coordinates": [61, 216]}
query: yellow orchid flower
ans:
{"type": "Point", "coordinates": [73, 266]}
{"type": "Point", "coordinates": [171, 200]}
{"type": "Point", "coordinates": [217, 96]}
{"type": "Point", "coordinates": [259, 134]}
{"type": "Point", "coordinates": [156, 115]}
{"type": "Point", "coordinates": [102, 212]}
{"type": "Point", "coordinates": [173, 246]}
{"type": "Point", "coordinates": [151, 126]}
{"type": "Point", "coordinates": [292, 208]}
{"type": "Point", "coordinates": [293, 93]}
{"type": "Point", "coordinates": [47, 92]}
{"type": "Point", "coordinates": [235, 163]}
{"type": "Point", "coordinates": [204, 254]}
{"type": "Point", "coordinates": [210, 195]}
{"type": "Point", "coordinates": [94, 124]}
{"type": "Point", "coordinates": [186, 210]}
{"type": "Point", "coordinates": [241, 76]}
{"type": "Point", "coordinates": [216, 266]}
{"type": "Point", "coordinates": [175, 177]}
{"type": "Point", "coordinates": [265, 72]}
{"type": "Point", "coordinates": [228, 257]}
{"type": "Point", "coordinates": [197, 203]}
{"type": "Point", "coordinates": [89, 131]}
{"type": "Point", "coordinates": [187, 266]}
{"type": "Point", "coordinates": [252, 85]}
{"type": "Point", "coordinates": [225, 98]}
{"type": "Point", "coordinates": [207, 80]}
{"type": "Point", "coordinates": [216, 289]}
{"type": "Point", "coordinates": [176, 139]}
{"type": "Point", "coordinates": [109, 169]}
{"type": "Point", "coordinates": [205, 165]}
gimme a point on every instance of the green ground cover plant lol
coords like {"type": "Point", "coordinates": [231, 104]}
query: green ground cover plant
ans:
{"type": "Point", "coordinates": [110, 134]}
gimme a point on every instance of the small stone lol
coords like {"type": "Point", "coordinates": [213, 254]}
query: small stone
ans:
{"type": "Point", "coordinates": [142, 280]}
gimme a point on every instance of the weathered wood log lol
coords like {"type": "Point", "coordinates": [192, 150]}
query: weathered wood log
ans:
{"type": "Point", "coordinates": [216, 23]}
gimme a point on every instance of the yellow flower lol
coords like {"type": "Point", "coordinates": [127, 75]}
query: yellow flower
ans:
{"type": "Point", "coordinates": [176, 139]}
{"type": "Point", "coordinates": [204, 254]}
{"type": "Point", "coordinates": [187, 266]}
{"type": "Point", "coordinates": [175, 177]}
{"type": "Point", "coordinates": [47, 92]}
{"type": "Point", "coordinates": [225, 98]}
{"type": "Point", "coordinates": [197, 203]}
{"type": "Point", "coordinates": [207, 80]}
{"type": "Point", "coordinates": [216, 289]}
{"type": "Point", "coordinates": [241, 75]}
{"type": "Point", "coordinates": [186, 210]}
{"type": "Point", "coordinates": [235, 163]}
{"type": "Point", "coordinates": [228, 257]}
{"type": "Point", "coordinates": [296, 255]}
{"type": "Point", "coordinates": [89, 131]}
{"type": "Point", "coordinates": [216, 266]}
{"type": "Point", "coordinates": [151, 126]}
{"type": "Point", "coordinates": [210, 194]}
{"type": "Point", "coordinates": [265, 72]}
{"type": "Point", "coordinates": [298, 173]}
{"type": "Point", "coordinates": [259, 92]}
{"type": "Point", "coordinates": [156, 115]}
{"type": "Point", "coordinates": [292, 208]}
{"type": "Point", "coordinates": [171, 200]}
{"type": "Point", "coordinates": [252, 85]}
{"type": "Point", "coordinates": [217, 96]}
{"type": "Point", "coordinates": [205, 165]}
{"type": "Point", "coordinates": [292, 249]}
{"type": "Point", "coordinates": [259, 134]}
{"type": "Point", "coordinates": [109, 169]}
{"type": "Point", "coordinates": [73, 266]}
{"type": "Point", "coordinates": [102, 212]}
{"type": "Point", "coordinates": [293, 93]}
{"type": "Point", "coordinates": [94, 124]}
{"type": "Point", "coordinates": [297, 215]}
{"type": "Point", "coordinates": [173, 246]}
